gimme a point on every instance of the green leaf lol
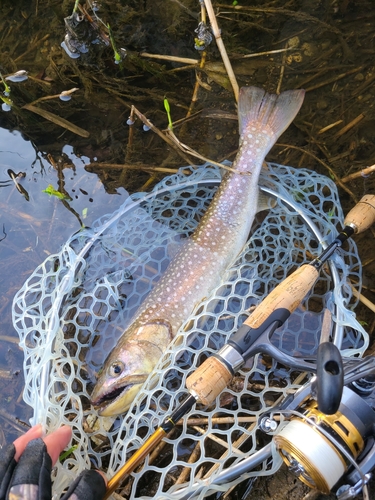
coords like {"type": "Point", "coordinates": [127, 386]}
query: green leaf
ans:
{"type": "Point", "coordinates": [51, 191]}
{"type": "Point", "coordinates": [66, 453]}
{"type": "Point", "coordinates": [168, 110]}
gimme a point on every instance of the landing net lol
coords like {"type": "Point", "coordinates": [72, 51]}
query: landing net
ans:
{"type": "Point", "coordinates": [71, 311]}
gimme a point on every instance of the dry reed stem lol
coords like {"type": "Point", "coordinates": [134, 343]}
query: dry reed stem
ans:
{"type": "Point", "coordinates": [363, 299]}
{"type": "Point", "coordinates": [194, 97]}
{"type": "Point", "coordinates": [182, 60]}
{"type": "Point", "coordinates": [328, 127]}
{"type": "Point", "coordinates": [282, 69]}
{"type": "Point", "coordinates": [350, 125]}
{"type": "Point", "coordinates": [334, 79]}
{"type": "Point", "coordinates": [192, 459]}
{"type": "Point", "coordinates": [220, 441]}
{"type": "Point", "coordinates": [325, 165]}
{"type": "Point", "coordinates": [8, 338]}
{"type": "Point", "coordinates": [362, 173]}
{"type": "Point", "coordinates": [302, 16]}
{"type": "Point", "coordinates": [221, 47]}
{"type": "Point", "coordinates": [158, 132]}
{"type": "Point", "coordinates": [190, 151]}
{"type": "Point", "coordinates": [135, 166]}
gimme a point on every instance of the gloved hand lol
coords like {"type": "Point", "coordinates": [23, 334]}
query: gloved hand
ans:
{"type": "Point", "coordinates": [25, 469]}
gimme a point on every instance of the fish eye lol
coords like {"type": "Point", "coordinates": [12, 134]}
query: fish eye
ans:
{"type": "Point", "coordinates": [116, 368]}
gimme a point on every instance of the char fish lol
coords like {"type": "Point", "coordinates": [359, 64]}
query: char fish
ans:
{"type": "Point", "coordinates": [199, 264]}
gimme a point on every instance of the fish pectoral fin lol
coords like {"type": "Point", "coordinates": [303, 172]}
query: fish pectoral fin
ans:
{"type": "Point", "coordinates": [265, 202]}
{"type": "Point", "coordinates": [157, 331]}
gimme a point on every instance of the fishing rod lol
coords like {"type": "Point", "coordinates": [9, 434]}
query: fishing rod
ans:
{"type": "Point", "coordinates": [211, 378]}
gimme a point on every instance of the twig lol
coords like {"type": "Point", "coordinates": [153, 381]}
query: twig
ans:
{"type": "Point", "coordinates": [363, 299]}
{"type": "Point", "coordinates": [220, 441]}
{"type": "Point", "coordinates": [134, 166]}
{"type": "Point", "coordinates": [362, 173]}
{"type": "Point", "coordinates": [191, 152]}
{"type": "Point", "coordinates": [160, 133]}
{"type": "Point", "coordinates": [328, 127]}
{"type": "Point", "coordinates": [267, 53]}
{"type": "Point", "coordinates": [222, 420]}
{"type": "Point", "coordinates": [32, 48]}
{"type": "Point", "coordinates": [325, 165]}
{"type": "Point", "coordinates": [302, 16]}
{"type": "Point", "coordinates": [282, 69]}
{"type": "Point", "coordinates": [182, 60]}
{"type": "Point", "coordinates": [221, 47]}
{"type": "Point", "coordinates": [194, 97]}
{"type": "Point", "coordinates": [8, 338]}
{"type": "Point", "coordinates": [334, 79]}
{"type": "Point", "coordinates": [195, 455]}
{"type": "Point", "coordinates": [57, 120]}
{"type": "Point", "coordinates": [349, 126]}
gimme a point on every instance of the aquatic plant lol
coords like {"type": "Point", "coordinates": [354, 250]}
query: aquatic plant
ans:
{"type": "Point", "coordinates": [119, 56]}
{"type": "Point", "coordinates": [168, 110]}
{"type": "Point", "coordinates": [51, 191]}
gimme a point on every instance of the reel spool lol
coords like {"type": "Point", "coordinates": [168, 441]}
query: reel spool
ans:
{"type": "Point", "coordinates": [320, 448]}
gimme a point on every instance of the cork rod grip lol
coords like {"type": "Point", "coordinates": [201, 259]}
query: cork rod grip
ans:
{"type": "Point", "coordinates": [362, 216]}
{"type": "Point", "coordinates": [287, 295]}
{"type": "Point", "coordinates": [209, 380]}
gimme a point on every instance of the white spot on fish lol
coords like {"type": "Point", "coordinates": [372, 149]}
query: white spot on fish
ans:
{"type": "Point", "coordinates": [250, 136]}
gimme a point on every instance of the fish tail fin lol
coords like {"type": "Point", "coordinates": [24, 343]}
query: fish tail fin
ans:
{"type": "Point", "coordinates": [270, 111]}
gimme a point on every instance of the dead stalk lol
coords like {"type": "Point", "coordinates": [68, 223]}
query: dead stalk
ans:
{"type": "Point", "coordinates": [362, 173]}
{"type": "Point", "coordinates": [350, 125]}
{"type": "Point", "coordinates": [325, 165]}
{"type": "Point", "coordinates": [221, 47]}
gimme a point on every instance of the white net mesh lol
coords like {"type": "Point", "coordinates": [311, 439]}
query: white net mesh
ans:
{"type": "Point", "coordinates": [76, 304]}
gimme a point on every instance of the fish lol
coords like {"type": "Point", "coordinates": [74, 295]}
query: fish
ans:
{"type": "Point", "coordinates": [198, 265]}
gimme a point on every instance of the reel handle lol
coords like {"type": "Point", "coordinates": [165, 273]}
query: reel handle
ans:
{"type": "Point", "coordinates": [330, 378]}
{"type": "Point", "coordinates": [362, 216]}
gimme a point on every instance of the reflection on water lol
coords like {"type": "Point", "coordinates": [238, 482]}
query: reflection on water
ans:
{"type": "Point", "coordinates": [32, 230]}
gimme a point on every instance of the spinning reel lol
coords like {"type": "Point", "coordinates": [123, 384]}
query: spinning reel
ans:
{"type": "Point", "coordinates": [322, 447]}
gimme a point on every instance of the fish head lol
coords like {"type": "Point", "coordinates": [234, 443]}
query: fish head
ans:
{"type": "Point", "coordinates": [128, 366]}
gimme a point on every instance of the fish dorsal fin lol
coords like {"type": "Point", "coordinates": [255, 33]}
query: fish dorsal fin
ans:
{"type": "Point", "coordinates": [274, 112]}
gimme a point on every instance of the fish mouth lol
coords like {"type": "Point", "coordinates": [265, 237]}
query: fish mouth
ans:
{"type": "Point", "coordinates": [118, 398]}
